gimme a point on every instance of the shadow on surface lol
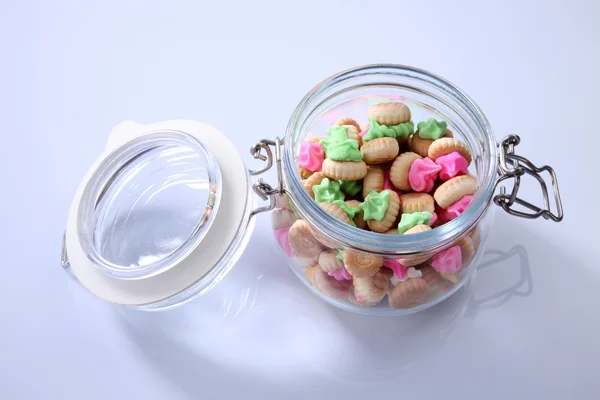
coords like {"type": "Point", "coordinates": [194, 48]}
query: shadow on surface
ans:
{"type": "Point", "coordinates": [522, 288]}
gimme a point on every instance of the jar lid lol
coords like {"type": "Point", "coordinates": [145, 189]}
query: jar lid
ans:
{"type": "Point", "coordinates": [160, 211]}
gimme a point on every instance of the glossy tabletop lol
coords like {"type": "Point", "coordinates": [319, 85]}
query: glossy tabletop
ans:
{"type": "Point", "coordinates": [527, 326]}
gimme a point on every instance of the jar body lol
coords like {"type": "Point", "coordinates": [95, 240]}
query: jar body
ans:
{"type": "Point", "coordinates": [312, 269]}
{"type": "Point", "coordinates": [332, 248]}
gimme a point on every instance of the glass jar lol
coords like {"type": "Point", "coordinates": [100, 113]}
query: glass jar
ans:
{"type": "Point", "coordinates": [168, 208]}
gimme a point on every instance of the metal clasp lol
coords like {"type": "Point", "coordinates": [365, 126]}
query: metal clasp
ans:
{"type": "Point", "coordinates": [262, 151]}
{"type": "Point", "coordinates": [514, 166]}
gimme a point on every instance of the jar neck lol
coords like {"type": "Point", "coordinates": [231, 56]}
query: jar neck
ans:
{"type": "Point", "coordinates": [356, 88]}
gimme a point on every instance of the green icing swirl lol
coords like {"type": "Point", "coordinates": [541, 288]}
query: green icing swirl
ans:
{"type": "Point", "coordinates": [350, 211]}
{"type": "Point", "coordinates": [335, 134]}
{"type": "Point", "coordinates": [432, 129]}
{"type": "Point", "coordinates": [327, 191]}
{"type": "Point", "coordinates": [345, 150]}
{"type": "Point", "coordinates": [375, 205]}
{"type": "Point", "coordinates": [339, 147]}
{"type": "Point", "coordinates": [394, 131]}
{"type": "Point", "coordinates": [404, 129]}
{"type": "Point", "coordinates": [351, 187]}
{"type": "Point", "coordinates": [340, 255]}
{"type": "Point", "coordinates": [410, 220]}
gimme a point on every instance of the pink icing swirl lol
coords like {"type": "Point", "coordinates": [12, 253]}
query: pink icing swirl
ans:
{"type": "Point", "coordinates": [433, 218]}
{"type": "Point", "coordinates": [311, 156]}
{"type": "Point", "coordinates": [452, 164]}
{"type": "Point", "coordinates": [422, 175]}
{"type": "Point", "coordinates": [363, 133]}
{"type": "Point", "coordinates": [340, 274]}
{"type": "Point", "coordinates": [448, 261]}
{"type": "Point", "coordinates": [360, 299]}
{"type": "Point", "coordinates": [454, 210]}
{"type": "Point", "coordinates": [410, 274]}
{"type": "Point", "coordinates": [398, 269]}
{"type": "Point", "coordinates": [444, 215]}
{"type": "Point", "coordinates": [281, 235]}
{"type": "Point", "coordinates": [387, 183]}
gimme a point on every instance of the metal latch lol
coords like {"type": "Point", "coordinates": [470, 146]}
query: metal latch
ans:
{"type": "Point", "coordinates": [513, 166]}
{"type": "Point", "coordinates": [262, 151]}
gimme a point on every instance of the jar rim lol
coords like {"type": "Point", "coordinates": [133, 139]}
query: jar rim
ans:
{"type": "Point", "coordinates": [347, 236]}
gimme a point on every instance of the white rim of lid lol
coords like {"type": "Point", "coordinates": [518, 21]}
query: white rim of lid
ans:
{"type": "Point", "coordinates": [203, 257]}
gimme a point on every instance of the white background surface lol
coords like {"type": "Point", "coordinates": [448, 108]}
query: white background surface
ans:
{"type": "Point", "coordinates": [70, 71]}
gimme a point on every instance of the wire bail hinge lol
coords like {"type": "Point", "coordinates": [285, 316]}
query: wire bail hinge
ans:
{"type": "Point", "coordinates": [262, 151]}
{"type": "Point", "coordinates": [513, 166]}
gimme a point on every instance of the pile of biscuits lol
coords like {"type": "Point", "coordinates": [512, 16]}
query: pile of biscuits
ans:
{"type": "Point", "coordinates": [388, 178]}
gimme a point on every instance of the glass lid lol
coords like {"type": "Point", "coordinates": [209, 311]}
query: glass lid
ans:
{"type": "Point", "coordinates": [149, 204]}
{"type": "Point", "coordinates": [161, 212]}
